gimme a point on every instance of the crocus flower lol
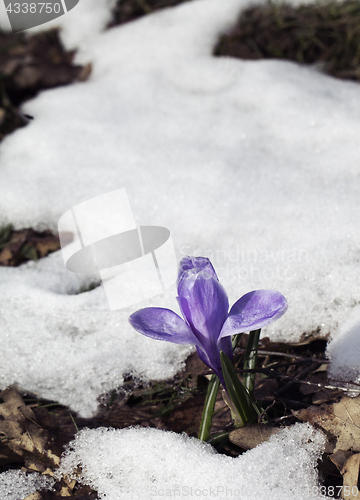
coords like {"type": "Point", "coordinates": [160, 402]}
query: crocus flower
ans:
{"type": "Point", "coordinates": [207, 322]}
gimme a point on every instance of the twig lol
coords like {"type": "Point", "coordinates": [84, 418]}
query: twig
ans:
{"type": "Point", "coordinates": [290, 383]}
{"type": "Point", "coordinates": [285, 355]}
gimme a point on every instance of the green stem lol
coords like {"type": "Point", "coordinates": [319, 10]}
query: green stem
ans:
{"type": "Point", "coordinates": [239, 397]}
{"type": "Point", "coordinates": [235, 339]}
{"type": "Point", "coordinates": [209, 406]}
{"type": "Point", "coordinates": [218, 438]}
{"type": "Point", "coordinates": [250, 360]}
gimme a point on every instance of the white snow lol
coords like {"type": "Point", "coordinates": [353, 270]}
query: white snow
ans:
{"type": "Point", "coordinates": [143, 463]}
{"type": "Point", "coordinates": [252, 163]}
{"type": "Point", "coordinates": [16, 484]}
{"type": "Point", "coordinates": [343, 352]}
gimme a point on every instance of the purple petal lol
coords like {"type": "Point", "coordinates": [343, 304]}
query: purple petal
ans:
{"type": "Point", "coordinates": [225, 344]}
{"type": "Point", "coordinates": [253, 311]}
{"type": "Point", "coordinates": [215, 365]}
{"type": "Point", "coordinates": [195, 265]}
{"type": "Point", "coordinates": [204, 304]}
{"type": "Point", "coordinates": [162, 324]}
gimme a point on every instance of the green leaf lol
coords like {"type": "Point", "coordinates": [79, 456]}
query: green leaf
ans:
{"type": "Point", "coordinates": [235, 339]}
{"type": "Point", "coordinates": [241, 399]}
{"type": "Point", "coordinates": [250, 360]}
{"type": "Point", "coordinates": [209, 406]}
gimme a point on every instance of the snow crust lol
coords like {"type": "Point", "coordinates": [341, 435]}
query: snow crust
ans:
{"type": "Point", "coordinates": [343, 352]}
{"type": "Point", "coordinates": [16, 484]}
{"type": "Point", "coordinates": [251, 163]}
{"type": "Point", "coordinates": [70, 348]}
{"type": "Point", "coordinates": [144, 463]}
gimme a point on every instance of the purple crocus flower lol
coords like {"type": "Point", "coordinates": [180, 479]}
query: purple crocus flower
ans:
{"type": "Point", "coordinates": [204, 305]}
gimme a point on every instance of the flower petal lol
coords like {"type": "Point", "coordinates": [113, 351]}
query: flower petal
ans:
{"type": "Point", "coordinates": [162, 324]}
{"type": "Point", "coordinates": [215, 365]}
{"type": "Point", "coordinates": [195, 265]}
{"type": "Point", "coordinates": [204, 304]}
{"type": "Point", "coordinates": [253, 311]}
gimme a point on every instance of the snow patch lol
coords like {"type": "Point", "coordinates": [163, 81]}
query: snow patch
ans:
{"type": "Point", "coordinates": [143, 463]}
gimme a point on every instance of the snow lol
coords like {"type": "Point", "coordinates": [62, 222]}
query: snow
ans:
{"type": "Point", "coordinates": [344, 354]}
{"type": "Point", "coordinates": [252, 163]}
{"type": "Point", "coordinates": [16, 484]}
{"type": "Point", "coordinates": [143, 463]}
{"type": "Point", "coordinates": [71, 349]}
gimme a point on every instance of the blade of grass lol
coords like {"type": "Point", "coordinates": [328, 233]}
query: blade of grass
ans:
{"type": "Point", "coordinates": [240, 398]}
{"type": "Point", "coordinates": [219, 438]}
{"type": "Point", "coordinates": [235, 340]}
{"type": "Point", "coordinates": [209, 406]}
{"type": "Point", "coordinates": [250, 360]}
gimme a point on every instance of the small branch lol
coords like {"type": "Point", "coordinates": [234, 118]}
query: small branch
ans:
{"type": "Point", "coordinates": [261, 352]}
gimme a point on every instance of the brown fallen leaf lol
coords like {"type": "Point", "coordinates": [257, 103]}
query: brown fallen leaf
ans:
{"type": "Point", "coordinates": [339, 458]}
{"type": "Point", "coordinates": [311, 386]}
{"type": "Point", "coordinates": [350, 473]}
{"type": "Point", "coordinates": [250, 436]}
{"type": "Point", "coordinates": [325, 396]}
{"type": "Point", "coordinates": [341, 420]}
{"type": "Point", "coordinates": [22, 435]}
{"type": "Point", "coordinates": [35, 496]}
{"type": "Point", "coordinates": [19, 246]}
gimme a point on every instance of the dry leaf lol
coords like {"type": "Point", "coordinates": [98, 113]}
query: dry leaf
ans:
{"type": "Point", "coordinates": [34, 496]}
{"type": "Point", "coordinates": [339, 458]}
{"type": "Point", "coordinates": [350, 474]}
{"type": "Point", "coordinates": [250, 436]}
{"type": "Point", "coordinates": [311, 386]}
{"type": "Point", "coordinates": [341, 420]}
{"type": "Point", "coordinates": [23, 435]}
{"type": "Point", "coordinates": [325, 396]}
{"type": "Point", "coordinates": [42, 495]}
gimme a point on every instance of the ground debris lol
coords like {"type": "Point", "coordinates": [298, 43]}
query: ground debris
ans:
{"type": "Point", "coordinates": [17, 247]}
{"type": "Point", "coordinates": [340, 420]}
{"type": "Point", "coordinates": [33, 438]}
{"type": "Point", "coordinates": [250, 436]}
{"type": "Point", "coordinates": [127, 10]}
{"type": "Point", "coordinates": [350, 472]}
{"type": "Point", "coordinates": [29, 64]}
{"type": "Point", "coordinates": [24, 436]}
{"type": "Point", "coordinates": [326, 33]}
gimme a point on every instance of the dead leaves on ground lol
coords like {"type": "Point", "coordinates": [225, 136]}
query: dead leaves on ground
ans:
{"type": "Point", "coordinates": [17, 247]}
{"type": "Point", "coordinates": [25, 439]}
{"type": "Point", "coordinates": [29, 64]}
{"type": "Point", "coordinates": [341, 423]}
{"type": "Point", "coordinates": [128, 10]}
{"type": "Point", "coordinates": [23, 436]}
{"type": "Point", "coordinates": [252, 435]}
